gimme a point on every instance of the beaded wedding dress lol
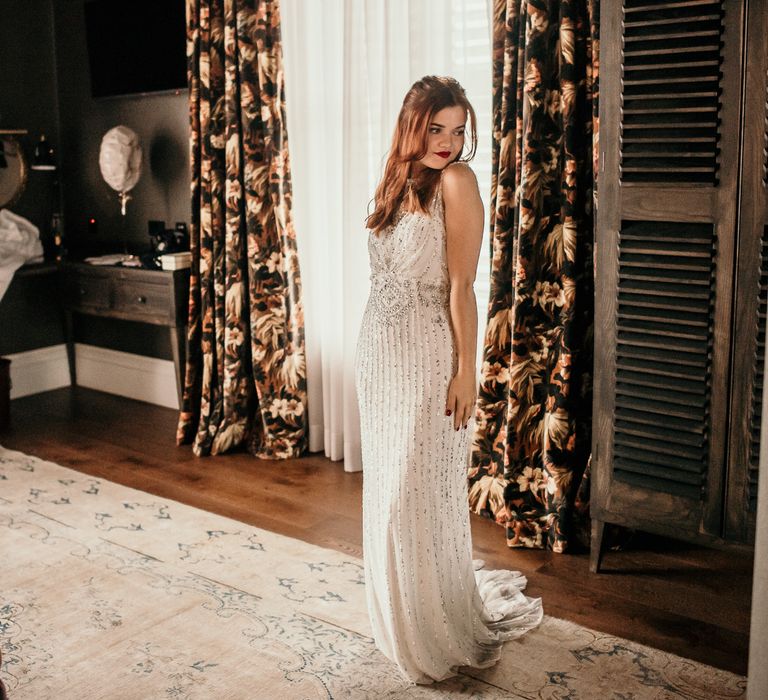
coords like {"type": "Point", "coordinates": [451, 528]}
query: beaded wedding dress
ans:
{"type": "Point", "coordinates": [430, 611]}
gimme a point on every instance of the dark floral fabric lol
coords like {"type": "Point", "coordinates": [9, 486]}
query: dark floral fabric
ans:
{"type": "Point", "coordinates": [533, 421]}
{"type": "Point", "coordinates": [245, 377]}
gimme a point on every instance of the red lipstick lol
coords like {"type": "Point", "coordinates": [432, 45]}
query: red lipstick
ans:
{"type": "Point", "coordinates": [443, 154]}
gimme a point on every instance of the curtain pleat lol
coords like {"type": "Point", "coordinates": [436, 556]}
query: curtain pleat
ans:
{"type": "Point", "coordinates": [245, 378]}
{"type": "Point", "coordinates": [533, 421]}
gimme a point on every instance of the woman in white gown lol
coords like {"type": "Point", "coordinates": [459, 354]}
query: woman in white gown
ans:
{"type": "Point", "coordinates": [415, 375]}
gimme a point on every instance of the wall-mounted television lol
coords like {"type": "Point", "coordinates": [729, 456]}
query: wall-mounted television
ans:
{"type": "Point", "coordinates": [136, 46]}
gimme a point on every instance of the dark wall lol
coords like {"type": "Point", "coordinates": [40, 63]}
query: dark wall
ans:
{"type": "Point", "coordinates": [162, 123]}
{"type": "Point", "coordinates": [29, 95]}
{"type": "Point", "coordinates": [45, 88]}
{"type": "Point", "coordinates": [160, 120]}
{"type": "Point", "coordinates": [29, 314]}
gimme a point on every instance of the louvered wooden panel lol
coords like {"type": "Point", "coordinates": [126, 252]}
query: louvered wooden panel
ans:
{"type": "Point", "coordinates": [664, 347]}
{"type": "Point", "coordinates": [757, 386]}
{"type": "Point", "coordinates": [747, 338]}
{"type": "Point", "coordinates": [665, 257]}
{"type": "Point", "coordinates": [765, 134]}
{"type": "Point", "coordinates": [671, 62]}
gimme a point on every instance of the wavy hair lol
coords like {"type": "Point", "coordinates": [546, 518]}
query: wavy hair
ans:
{"type": "Point", "coordinates": [425, 98]}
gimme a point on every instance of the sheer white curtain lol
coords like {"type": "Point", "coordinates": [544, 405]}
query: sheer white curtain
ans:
{"type": "Point", "coordinates": [348, 65]}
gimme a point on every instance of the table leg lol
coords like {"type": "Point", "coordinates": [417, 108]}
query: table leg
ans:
{"type": "Point", "coordinates": [69, 337]}
{"type": "Point", "coordinates": [178, 347]}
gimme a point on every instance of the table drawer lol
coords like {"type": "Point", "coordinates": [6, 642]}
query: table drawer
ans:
{"type": "Point", "coordinates": [141, 299]}
{"type": "Point", "coordinates": [88, 293]}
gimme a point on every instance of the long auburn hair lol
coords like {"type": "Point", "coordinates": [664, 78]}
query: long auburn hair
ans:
{"type": "Point", "coordinates": [409, 144]}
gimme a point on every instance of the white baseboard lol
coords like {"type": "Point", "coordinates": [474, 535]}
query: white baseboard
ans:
{"type": "Point", "coordinates": [38, 370]}
{"type": "Point", "coordinates": [122, 373]}
{"type": "Point", "coordinates": [125, 374]}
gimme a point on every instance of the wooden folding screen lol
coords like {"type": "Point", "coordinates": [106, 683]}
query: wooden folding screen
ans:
{"type": "Point", "coordinates": [680, 252]}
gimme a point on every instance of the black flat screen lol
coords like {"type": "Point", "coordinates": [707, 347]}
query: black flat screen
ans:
{"type": "Point", "coordinates": [136, 46]}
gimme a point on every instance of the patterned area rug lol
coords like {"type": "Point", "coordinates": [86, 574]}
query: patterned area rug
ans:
{"type": "Point", "coordinates": [109, 592]}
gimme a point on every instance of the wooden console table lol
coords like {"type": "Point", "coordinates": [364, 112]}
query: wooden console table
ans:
{"type": "Point", "coordinates": [158, 297]}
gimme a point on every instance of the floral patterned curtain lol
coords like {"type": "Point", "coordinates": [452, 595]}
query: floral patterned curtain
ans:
{"type": "Point", "coordinates": [533, 421]}
{"type": "Point", "coordinates": [245, 377]}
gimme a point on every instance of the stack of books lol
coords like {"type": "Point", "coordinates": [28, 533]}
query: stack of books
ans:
{"type": "Point", "coordinates": [176, 261]}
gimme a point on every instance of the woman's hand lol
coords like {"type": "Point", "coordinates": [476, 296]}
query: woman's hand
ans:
{"type": "Point", "coordinates": [461, 398]}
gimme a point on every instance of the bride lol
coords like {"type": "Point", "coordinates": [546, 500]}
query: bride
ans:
{"type": "Point", "coordinates": [416, 380]}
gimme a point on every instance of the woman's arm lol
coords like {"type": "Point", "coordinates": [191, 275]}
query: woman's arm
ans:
{"type": "Point", "coordinates": [464, 235]}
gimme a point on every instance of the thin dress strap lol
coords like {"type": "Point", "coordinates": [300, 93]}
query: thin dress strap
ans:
{"type": "Point", "coordinates": [438, 192]}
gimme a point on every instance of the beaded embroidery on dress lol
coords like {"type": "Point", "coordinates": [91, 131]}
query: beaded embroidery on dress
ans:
{"type": "Point", "coordinates": [430, 611]}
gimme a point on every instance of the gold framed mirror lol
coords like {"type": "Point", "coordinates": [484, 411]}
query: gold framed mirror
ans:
{"type": "Point", "coordinates": [13, 167]}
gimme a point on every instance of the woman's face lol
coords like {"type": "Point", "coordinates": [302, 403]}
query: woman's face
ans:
{"type": "Point", "coordinates": [445, 137]}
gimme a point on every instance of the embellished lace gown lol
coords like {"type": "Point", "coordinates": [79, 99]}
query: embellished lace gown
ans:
{"type": "Point", "coordinates": [429, 609]}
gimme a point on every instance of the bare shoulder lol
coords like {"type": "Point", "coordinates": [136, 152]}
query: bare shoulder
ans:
{"type": "Point", "coordinates": [458, 172]}
{"type": "Point", "coordinates": [459, 181]}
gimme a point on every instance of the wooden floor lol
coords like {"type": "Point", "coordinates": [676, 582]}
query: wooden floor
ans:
{"type": "Point", "coordinates": [681, 598]}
